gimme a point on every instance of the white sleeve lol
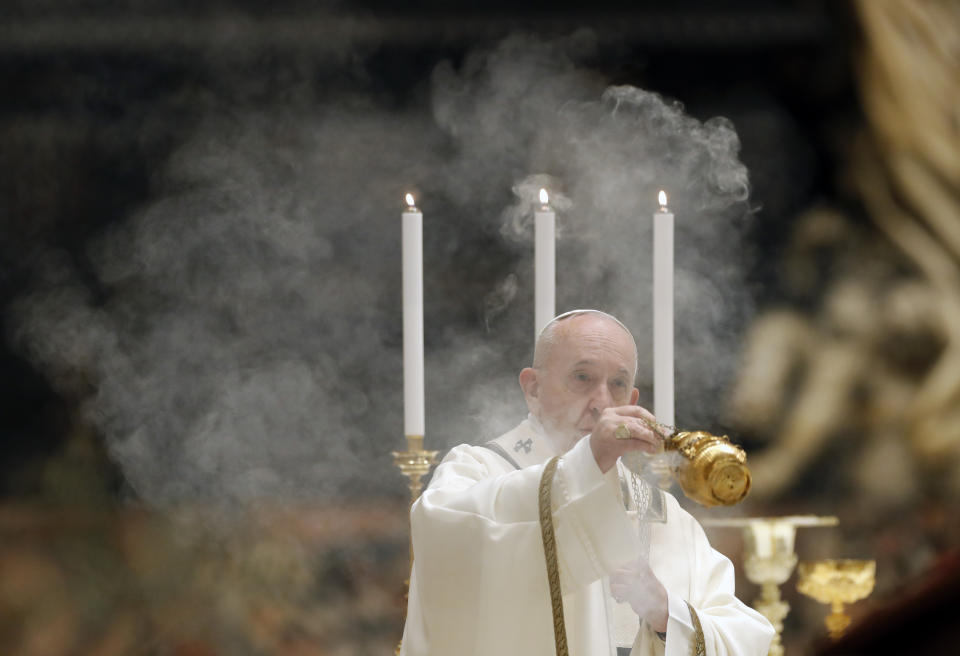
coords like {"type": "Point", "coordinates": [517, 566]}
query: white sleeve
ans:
{"type": "Point", "coordinates": [479, 554]}
{"type": "Point", "coordinates": [730, 627]}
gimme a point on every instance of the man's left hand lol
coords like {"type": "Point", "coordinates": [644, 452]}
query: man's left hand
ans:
{"type": "Point", "coordinates": [636, 584]}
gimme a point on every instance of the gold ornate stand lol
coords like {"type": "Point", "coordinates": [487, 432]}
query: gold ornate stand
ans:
{"type": "Point", "coordinates": [769, 559]}
{"type": "Point", "coordinates": [837, 582]}
{"type": "Point", "coordinates": [415, 463]}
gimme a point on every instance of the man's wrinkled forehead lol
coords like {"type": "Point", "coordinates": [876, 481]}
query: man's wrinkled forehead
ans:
{"type": "Point", "coordinates": [589, 331]}
{"type": "Point", "coordinates": [590, 362]}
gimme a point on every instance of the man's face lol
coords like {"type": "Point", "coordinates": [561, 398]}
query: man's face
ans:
{"type": "Point", "coordinates": [588, 369]}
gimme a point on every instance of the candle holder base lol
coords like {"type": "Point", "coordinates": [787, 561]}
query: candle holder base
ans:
{"type": "Point", "coordinates": [414, 463]}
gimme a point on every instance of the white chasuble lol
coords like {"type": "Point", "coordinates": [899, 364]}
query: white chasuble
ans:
{"type": "Point", "coordinates": [479, 581]}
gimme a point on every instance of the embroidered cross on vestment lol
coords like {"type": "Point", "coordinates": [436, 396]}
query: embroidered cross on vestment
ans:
{"type": "Point", "coordinates": [526, 446]}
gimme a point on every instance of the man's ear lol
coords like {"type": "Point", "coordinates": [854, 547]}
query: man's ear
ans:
{"type": "Point", "coordinates": [634, 395]}
{"type": "Point", "coordinates": [530, 386]}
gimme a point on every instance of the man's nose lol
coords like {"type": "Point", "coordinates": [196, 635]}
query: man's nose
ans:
{"type": "Point", "coordinates": [600, 399]}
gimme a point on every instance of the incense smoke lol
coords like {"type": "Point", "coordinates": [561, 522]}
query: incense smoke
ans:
{"type": "Point", "coordinates": [242, 337]}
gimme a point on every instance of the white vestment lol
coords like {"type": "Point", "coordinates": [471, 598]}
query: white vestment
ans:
{"type": "Point", "coordinates": [479, 582]}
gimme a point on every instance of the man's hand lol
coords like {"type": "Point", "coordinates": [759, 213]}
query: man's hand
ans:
{"type": "Point", "coordinates": [637, 585]}
{"type": "Point", "coordinates": [607, 447]}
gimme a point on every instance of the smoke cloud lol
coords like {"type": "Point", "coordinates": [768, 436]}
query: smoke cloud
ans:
{"type": "Point", "coordinates": [242, 337]}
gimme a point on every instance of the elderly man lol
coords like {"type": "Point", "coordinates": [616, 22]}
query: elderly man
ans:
{"type": "Point", "coordinates": [635, 568]}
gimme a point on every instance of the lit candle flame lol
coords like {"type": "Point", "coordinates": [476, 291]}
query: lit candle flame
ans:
{"type": "Point", "coordinates": [662, 197]}
{"type": "Point", "coordinates": [544, 198]}
{"type": "Point", "coordinates": [410, 202]}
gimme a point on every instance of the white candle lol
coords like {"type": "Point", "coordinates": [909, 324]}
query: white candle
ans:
{"type": "Point", "coordinates": [413, 381]}
{"type": "Point", "coordinates": [663, 380]}
{"type": "Point", "coordinates": [544, 264]}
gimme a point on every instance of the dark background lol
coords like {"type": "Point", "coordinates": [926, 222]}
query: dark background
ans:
{"type": "Point", "coordinates": [96, 96]}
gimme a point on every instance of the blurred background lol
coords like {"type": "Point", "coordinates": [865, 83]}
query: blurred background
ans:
{"type": "Point", "coordinates": [200, 295]}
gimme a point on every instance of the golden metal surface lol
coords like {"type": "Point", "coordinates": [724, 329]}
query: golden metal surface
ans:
{"type": "Point", "coordinates": [414, 463]}
{"type": "Point", "coordinates": [837, 582]}
{"type": "Point", "coordinates": [712, 471]}
{"type": "Point", "coordinates": [769, 559]}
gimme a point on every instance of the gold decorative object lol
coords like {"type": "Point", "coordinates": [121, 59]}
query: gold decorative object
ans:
{"type": "Point", "coordinates": [837, 582]}
{"type": "Point", "coordinates": [712, 470]}
{"type": "Point", "coordinates": [769, 559]}
{"type": "Point", "coordinates": [415, 463]}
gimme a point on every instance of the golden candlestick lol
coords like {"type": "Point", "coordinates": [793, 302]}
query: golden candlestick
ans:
{"type": "Point", "coordinates": [769, 559]}
{"type": "Point", "coordinates": [414, 463]}
{"type": "Point", "coordinates": [837, 582]}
